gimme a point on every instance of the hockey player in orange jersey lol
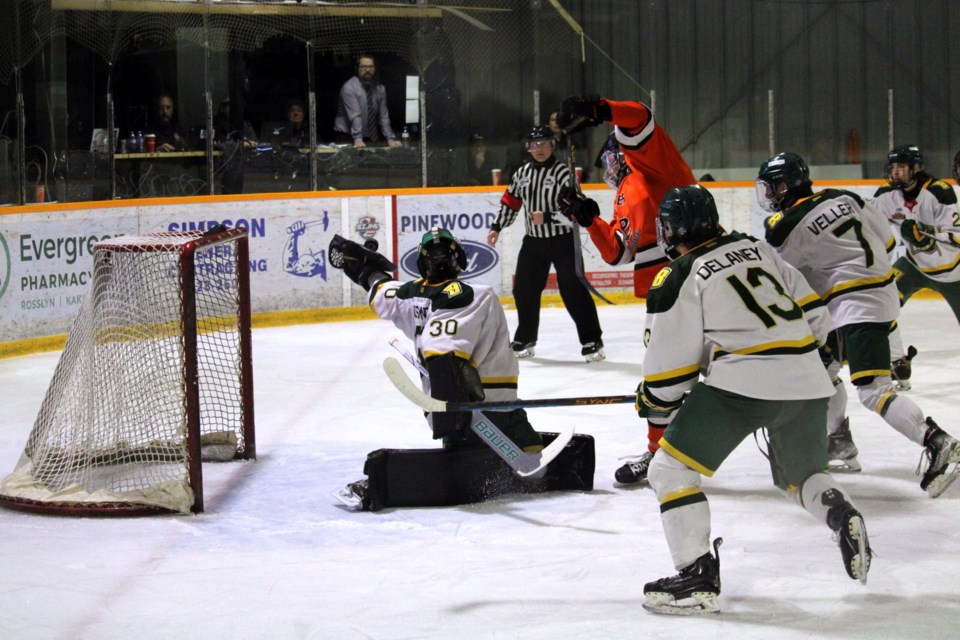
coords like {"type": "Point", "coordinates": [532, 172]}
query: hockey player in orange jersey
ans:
{"type": "Point", "coordinates": [641, 162]}
{"type": "Point", "coordinates": [655, 166]}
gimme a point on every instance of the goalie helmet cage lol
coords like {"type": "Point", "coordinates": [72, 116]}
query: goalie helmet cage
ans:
{"type": "Point", "coordinates": [156, 372]}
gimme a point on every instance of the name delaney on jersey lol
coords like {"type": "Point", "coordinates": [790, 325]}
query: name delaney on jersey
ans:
{"type": "Point", "coordinates": [729, 259]}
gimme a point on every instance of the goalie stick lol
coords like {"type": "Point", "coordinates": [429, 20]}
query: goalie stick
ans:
{"type": "Point", "coordinates": [525, 464]}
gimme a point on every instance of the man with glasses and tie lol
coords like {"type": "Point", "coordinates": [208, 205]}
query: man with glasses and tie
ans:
{"type": "Point", "coordinates": [362, 115]}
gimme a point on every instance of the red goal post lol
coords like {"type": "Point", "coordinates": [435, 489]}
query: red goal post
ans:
{"type": "Point", "coordinates": [156, 375]}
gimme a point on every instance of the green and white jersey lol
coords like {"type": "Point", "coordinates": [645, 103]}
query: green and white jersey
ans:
{"type": "Point", "coordinates": [841, 249]}
{"type": "Point", "coordinates": [933, 203]}
{"type": "Point", "coordinates": [734, 312]}
{"type": "Point", "coordinates": [454, 317]}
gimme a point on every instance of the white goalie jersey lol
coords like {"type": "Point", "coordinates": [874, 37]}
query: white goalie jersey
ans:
{"type": "Point", "coordinates": [454, 317]}
{"type": "Point", "coordinates": [733, 312]}
{"type": "Point", "coordinates": [842, 251]}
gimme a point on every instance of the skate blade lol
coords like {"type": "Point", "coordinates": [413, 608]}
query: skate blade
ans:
{"type": "Point", "coordinates": [844, 466]}
{"type": "Point", "coordinates": [595, 357]}
{"type": "Point", "coordinates": [698, 603]}
{"type": "Point", "coordinates": [902, 385]}
{"type": "Point", "coordinates": [526, 353]}
{"type": "Point", "coordinates": [950, 473]}
{"type": "Point", "coordinates": [860, 564]}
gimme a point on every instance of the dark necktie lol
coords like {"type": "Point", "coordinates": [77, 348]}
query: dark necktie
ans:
{"type": "Point", "coordinates": [371, 126]}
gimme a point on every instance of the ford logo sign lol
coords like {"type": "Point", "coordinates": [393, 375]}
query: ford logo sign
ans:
{"type": "Point", "coordinates": [480, 260]}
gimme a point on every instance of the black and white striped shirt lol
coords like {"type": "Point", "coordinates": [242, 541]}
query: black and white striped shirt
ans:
{"type": "Point", "coordinates": [536, 187]}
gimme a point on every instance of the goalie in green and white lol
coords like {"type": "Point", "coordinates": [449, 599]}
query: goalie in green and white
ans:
{"type": "Point", "coordinates": [461, 339]}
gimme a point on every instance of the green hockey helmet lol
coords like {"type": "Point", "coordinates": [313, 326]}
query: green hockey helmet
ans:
{"type": "Point", "coordinates": [908, 155]}
{"type": "Point", "coordinates": [440, 255]}
{"type": "Point", "coordinates": [782, 180]}
{"type": "Point", "coordinates": [688, 216]}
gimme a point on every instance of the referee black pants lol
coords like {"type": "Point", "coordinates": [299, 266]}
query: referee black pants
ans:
{"type": "Point", "coordinates": [533, 268]}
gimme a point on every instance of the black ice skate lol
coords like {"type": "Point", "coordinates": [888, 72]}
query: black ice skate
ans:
{"type": "Point", "coordinates": [355, 495]}
{"type": "Point", "coordinates": [692, 591]}
{"type": "Point", "coordinates": [841, 452]}
{"type": "Point", "coordinates": [593, 351]}
{"type": "Point", "coordinates": [634, 471]}
{"type": "Point", "coordinates": [943, 455]}
{"type": "Point", "coordinates": [523, 349]}
{"type": "Point", "coordinates": [850, 533]}
{"type": "Point", "coordinates": [900, 370]}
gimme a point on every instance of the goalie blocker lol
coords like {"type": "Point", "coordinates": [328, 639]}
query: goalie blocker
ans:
{"type": "Point", "coordinates": [465, 475]}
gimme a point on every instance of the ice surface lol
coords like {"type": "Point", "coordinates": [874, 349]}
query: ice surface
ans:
{"type": "Point", "coordinates": [275, 556]}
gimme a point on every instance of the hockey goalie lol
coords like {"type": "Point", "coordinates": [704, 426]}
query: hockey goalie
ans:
{"type": "Point", "coordinates": [462, 344]}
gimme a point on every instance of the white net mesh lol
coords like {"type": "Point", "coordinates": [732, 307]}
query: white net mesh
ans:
{"type": "Point", "coordinates": [115, 424]}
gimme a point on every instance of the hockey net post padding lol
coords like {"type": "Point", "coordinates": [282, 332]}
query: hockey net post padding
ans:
{"type": "Point", "coordinates": [156, 375]}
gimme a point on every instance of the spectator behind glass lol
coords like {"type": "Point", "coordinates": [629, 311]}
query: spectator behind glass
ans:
{"type": "Point", "coordinates": [297, 132]}
{"type": "Point", "coordinates": [362, 115]}
{"type": "Point", "coordinates": [163, 124]}
{"type": "Point", "coordinates": [478, 168]}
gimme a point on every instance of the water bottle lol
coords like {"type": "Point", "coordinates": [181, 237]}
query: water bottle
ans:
{"type": "Point", "coordinates": [139, 141]}
{"type": "Point", "coordinates": [131, 143]}
{"type": "Point", "coordinates": [405, 138]}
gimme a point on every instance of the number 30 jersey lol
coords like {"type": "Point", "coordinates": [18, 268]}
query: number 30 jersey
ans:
{"type": "Point", "coordinates": [840, 245]}
{"type": "Point", "coordinates": [454, 317]}
{"type": "Point", "coordinates": [734, 312]}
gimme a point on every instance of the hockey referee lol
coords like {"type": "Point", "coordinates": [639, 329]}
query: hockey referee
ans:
{"type": "Point", "coordinates": [535, 188]}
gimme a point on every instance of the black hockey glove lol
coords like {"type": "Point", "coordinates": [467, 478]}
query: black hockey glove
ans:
{"type": "Point", "coordinates": [826, 356]}
{"type": "Point", "coordinates": [918, 235]}
{"type": "Point", "coordinates": [579, 112]}
{"type": "Point", "coordinates": [576, 206]}
{"type": "Point", "coordinates": [452, 379]}
{"type": "Point", "coordinates": [363, 266]}
{"type": "Point", "coordinates": [649, 406]}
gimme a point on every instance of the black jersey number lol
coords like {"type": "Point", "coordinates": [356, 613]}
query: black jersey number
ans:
{"type": "Point", "coordinates": [438, 328]}
{"type": "Point", "coordinates": [857, 227]}
{"type": "Point", "coordinates": [755, 278]}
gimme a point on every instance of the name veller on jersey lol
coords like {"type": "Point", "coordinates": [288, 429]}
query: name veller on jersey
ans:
{"type": "Point", "coordinates": [729, 259]}
{"type": "Point", "coordinates": [824, 220]}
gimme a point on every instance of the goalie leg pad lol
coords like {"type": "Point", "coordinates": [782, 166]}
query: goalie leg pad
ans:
{"type": "Point", "coordinates": [573, 469]}
{"type": "Point", "coordinates": [465, 475]}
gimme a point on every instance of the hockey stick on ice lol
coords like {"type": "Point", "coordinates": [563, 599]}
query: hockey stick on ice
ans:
{"type": "Point", "coordinates": [523, 463]}
{"type": "Point", "coordinates": [413, 393]}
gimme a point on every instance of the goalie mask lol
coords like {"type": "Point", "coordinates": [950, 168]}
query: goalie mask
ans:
{"type": "Point", "coordinates": [687, 216]}
{"type": "Point", "coordinates": [440, 255]}
{"type": "Point", "coordinates": [903, 164]}
{"type": "Point", "coordinates": [612, 162]}
{"type": "Point", "coordinates": [783, 179]}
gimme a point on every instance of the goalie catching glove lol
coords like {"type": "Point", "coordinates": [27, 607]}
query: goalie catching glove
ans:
{"type": "Point", "coordinates": [576, 206]}
{"type": "Point", "coordinates": [363, 266]}
{"type": "Point", "coordinates": [919, 235]}
{"type": "Point", "coordinates": [579, 112]}
{"type": "Point", "coordinates": [649, 406]}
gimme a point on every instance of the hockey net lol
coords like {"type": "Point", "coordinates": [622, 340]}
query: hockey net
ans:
{"type": "Point", "coordinates": [156, 373]}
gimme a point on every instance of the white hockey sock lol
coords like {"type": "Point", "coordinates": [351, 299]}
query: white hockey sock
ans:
{"type": "Point", "coordinates": [837, 406]}
{"type": "Point", "coordinates": [812, 490]}
{"type": "Point", "coordinates": [686, 527]}
{"type": "Point", "coordinates": [900, 412]}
